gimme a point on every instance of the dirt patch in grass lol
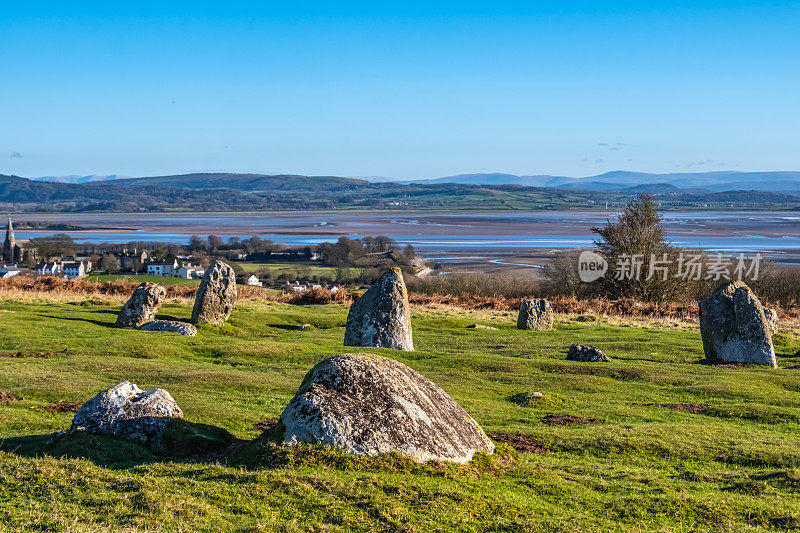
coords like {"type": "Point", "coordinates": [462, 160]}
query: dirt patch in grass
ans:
{"type": "Point", "coordinates": [521, 443]}
{"type": "Point", "coordinates": [22, 355]}
{"type": "Point", "coordinates": [61, 406]}
{"type": "Point", "coordinates": [567, 420]}
{"type": "Point", "coordinates": [696, 408]}
{"type": "Point", "coordinates": [6, 397]}
{"type": "Point", "coordinates": [267, 426]}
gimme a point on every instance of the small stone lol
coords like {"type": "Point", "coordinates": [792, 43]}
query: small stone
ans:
{"type": "Point", "coordinates": [306, 327]}
{"type": "Point", "coordinates": [216, 296]}
{"type": "Point", "coordinates": [481, 326]}
{"type": "Point", "coordinates": [171, 326]}
{"type": "Point", "coordinates": [142, 306]}
{"type": "Point", "coordinates": [586, 354]}
{"type": "Point", "coordinates": [365, 405]}
{"type": "Point", "coordinates": [382, 316]}
{"type": "Point", "coordinates": [734, 327]}
{"type": "Point", "coordinates": [535, 315]}
{"type": "Point", "coordinates": [128, 412]}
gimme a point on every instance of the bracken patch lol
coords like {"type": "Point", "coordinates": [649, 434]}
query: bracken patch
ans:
{"type": "Point", "coordinates": [60, 406]}
{"type": "Point", "coordinates": [6, 397]}
{"type": "Point", "coordinates": [695, 408]}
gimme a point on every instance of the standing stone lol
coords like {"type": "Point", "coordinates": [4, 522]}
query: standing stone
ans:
{"type": "Point", "coordinates": [128, 412]}
{"type": "Point", "coordinates": [382, 316]}
{"type": "Point", "coordinates": [734, 327]}
{"type": "Point", "coordinates": [536, 315]}
{"type": "Point", "coordinates": [365, 405]}
{"type": "Point", "coordinates": [772, 319]}
{"type": "Point", "coordinates": [216, 296]}
{"type": "Point", "coordinates": [142, 305]}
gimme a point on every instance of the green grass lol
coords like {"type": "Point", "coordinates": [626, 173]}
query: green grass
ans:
{"type": "Point", "coordinates": [736, 467]}
{"type": "Point", "coordinates": [304, 268]}
{"type": "Point", "coordinates": [161, 280]}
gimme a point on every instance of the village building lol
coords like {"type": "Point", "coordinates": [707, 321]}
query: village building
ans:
{"type": "Point", "coordinates": [14, 251]}
{"type": "Point", "coordinates": [75, 269]}
{"type": "Point", "coordinates": [253, 281]}
{"type": "Point", "coordinates": [48, 269]}
{"type": "Point", "coordinates": [166, 268]}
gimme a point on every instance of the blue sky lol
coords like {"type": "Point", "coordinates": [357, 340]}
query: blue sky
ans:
{"type": "Point", "coordinates": [399, 89]}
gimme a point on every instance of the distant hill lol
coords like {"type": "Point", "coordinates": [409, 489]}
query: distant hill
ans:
{"type": "Point", "coordinates": [622, 180]}
{"type": "Point", "coordinates": [246, 182]}
{"type": "Point", "coordinates": [79, 179]}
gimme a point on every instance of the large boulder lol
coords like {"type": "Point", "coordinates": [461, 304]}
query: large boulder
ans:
{"type": "Point", "coordinates": [365, 405]}
{"type": "Point", "coordinates": [382, 316]}
{"type": "Point", "coordinates": [216, 296]}
{"type": "Point", "coordinates": [142, 306]}
{"type": "Point", "coordinates": [127, 412]}
{"type": "Point", "coordinates": [734, 327]}
{"type": "Point", "coordinates": [586, 354]}
{"type": "Point", "coordinates": [536, 315]}
{"type": "Point", "coordinates": [171, 326]}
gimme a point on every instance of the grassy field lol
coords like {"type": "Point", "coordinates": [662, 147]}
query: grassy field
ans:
{"type": "Point", "coordinates": [727, 459]}
{"type": "Point", "coordinates": [161, 280]}
{"type": "Point", "coordinates": [305, 268]}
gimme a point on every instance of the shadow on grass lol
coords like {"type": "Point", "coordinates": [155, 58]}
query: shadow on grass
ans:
{"type": "Point", "coordinates": [95, 322]}
{"type": "Point", "coordinates": [181, 441]}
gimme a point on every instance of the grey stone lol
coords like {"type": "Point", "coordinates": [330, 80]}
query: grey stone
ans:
{"type": "Point", "coordinates": [142, 306]}
{"type": "Point", "coordinates": [216, 296]}
{"type": "Point", "coordinates": [382, 316]}
{"type": "Point", "coordinates": [481, 326]}
{"type": "Point", "coordinates": [772, 319]}
{"type": "Point", "coordinates": [586, 354]}
{"type": "Point", "coordinates": [171, 326]}
{"type": "Point", "coordinates": [734, 327]}
{"type": "Point", "coordinates": [365, 405]}
{"type": "Point", "coordinates": [127, 412]}
{"type": "Point", "coordinates": [536, 315]}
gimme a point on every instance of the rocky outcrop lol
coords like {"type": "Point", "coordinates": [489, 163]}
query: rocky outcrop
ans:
{"type": "Point", "coordinates": [586, 354]}
{"type": "Point", "coordinates": [142, 306]}
{"type": "Point", "coordinates": [365, 405]}
{"type": "Point", "coordinates": [536, 315]}
{"type": "Point", "coordinates": [216, 296]}
{"type": "Point", "coordinates": [171, 326]}
{"type": "Point", "coordinates": [382, 316]}
{"type": "Point", "coordinates": [734, 327]}
{"type": "Point", "coordinates": [127, 412]}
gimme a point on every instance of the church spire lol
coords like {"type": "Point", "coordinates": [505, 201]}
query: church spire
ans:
{"type": "Point", "coordinates": [9, 244]}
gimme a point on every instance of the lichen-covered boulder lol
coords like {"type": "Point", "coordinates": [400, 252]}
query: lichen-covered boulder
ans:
{"type": "Point", "coordinates": [216, 296]}
{"type": "Point", "coordinates": [772, 319]}
{"type": "Point", "coordinates": [142, 306]}
{"type": "Point", "coordinates": [365, 405]}
{"type": "Point", "coordinates": [382, 316]}
{"type": "Point", "coordinates": [586, 354]}
{"type": "Point", "coordinates": [536, 315]}
{"type": "Point", "coordinates": [171, 326]}
{"type": "Point", "coordinates": [127, 412]}
{"type": "Point", "coordinates": [734, 327]}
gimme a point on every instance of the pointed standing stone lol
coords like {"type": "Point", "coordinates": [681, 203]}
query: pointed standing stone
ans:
{"type": "Point", "coordinates": [382, 316]}
{"type": "Point", "coordinates": [216, 296]}
{"type": "Point", "coordinates": [536, 315]}
{"type": "Point", "coordinates": [734, 327]}
{"type": "Point", "coordinates": [142, 305]}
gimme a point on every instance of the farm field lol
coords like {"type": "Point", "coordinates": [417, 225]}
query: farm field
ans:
{"type": "Point", "coordinates": [298, 268]}
{"type": "Point", "coordinates": [671, 443]}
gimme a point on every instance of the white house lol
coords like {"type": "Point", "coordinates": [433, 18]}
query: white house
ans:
{"type": "Point", "coordinates": [74, 269]}
{"type": "Point", "coordinates": [167, 269]}
{"type": "Point", "coordinates": [189, 272]}
{"type": "Point", "coordinates": [253, 281]}
{"type": "Point", "coordinates": [9, 271]}
{"type": "Point", "coordinates": [48, 269]}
